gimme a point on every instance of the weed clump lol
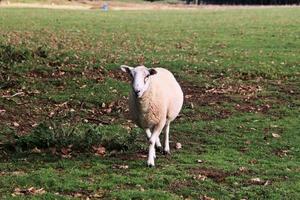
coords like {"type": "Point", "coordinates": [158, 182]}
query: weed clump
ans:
{"type": "Point", "coordinates": [10, 54]}
{"type": "Point", "coordinates": [82, 138]}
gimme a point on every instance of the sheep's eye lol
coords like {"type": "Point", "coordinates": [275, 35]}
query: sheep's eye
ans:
{"type": "Point", "coordinates": [146, 78]}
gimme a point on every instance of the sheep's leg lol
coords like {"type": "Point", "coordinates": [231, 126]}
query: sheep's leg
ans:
{"type": "Point", "coordinates": [167, 142]}
{"type": "Point", "coordinates": [156, 131]}
{"type": "Point", "coordinates": [148, 132]}
{"type": "Point", "coordinates": [158, 145]}
{"type": "Point", "coordinates": [157, 142]}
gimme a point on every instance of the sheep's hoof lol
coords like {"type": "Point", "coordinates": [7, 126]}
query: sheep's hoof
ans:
{"type": "Point", "coordinates": [159, 149]}
{"type": "Point", "coordinates": [167, 152]}
{"type": "Point", "coordinates": [150, 166]}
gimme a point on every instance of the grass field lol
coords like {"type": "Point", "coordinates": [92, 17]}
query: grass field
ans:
{"type": "Point", "coordinates": [62, 98]}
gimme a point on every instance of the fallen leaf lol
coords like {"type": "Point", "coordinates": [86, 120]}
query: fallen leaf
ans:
{"type": "Point", "coordinates": [66, 152]}
{"type": "Point", "coordinates": [243, 169]}
{"type": "Point", "coordinates": [268, 182]}
{"type": "Point", "coordinates": [51, 114]}
{"type": "Point", "coordinates": [192, 105]}
{"type": "Point", "coordinates": [248, 142]}
{"type": "Point", "coordinates": [256, 181]}
{"type": "Point", "coordinates": [253, 161]}
{"type": "Point", "coordinates": [29, 191]}
{"type": "Point", "coordinates": [207, 198]}
{"type": "Point", "coordinates": [39, 191]}
{"type": "Point", "coordinates": [142, 155]}
{"type": "Point", "coordinates": [18, 173]}
{"type": "Point", "coordinates": [201, 177]}
{"type": "Point", "coordinates": [120, 167]}
{"type": "Point", "coordinates": [16, 124]}
{"type": "Point", "coordinates": [36, 150]}
{"type": "Point", "coordinates": [77, 194]}
{"type": "Point", "coordinates": [99, 150]}
{"type": "Point", "coordinates": [275, 135]}
{"type": "Point", "coordinates": [97, 195]}
{"type": "Point", "coordinates": [108, 110]}
{"type": "Point", "coordinates": [34, 125]}
{"type": "Point", "coordinates": [282, 152]}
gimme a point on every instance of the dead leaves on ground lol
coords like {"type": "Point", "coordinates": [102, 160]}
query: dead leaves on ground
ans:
{"type": "Point", "coordinates": [247, 91]}
{"type": "Point", "coordinates": [2, 111]}
{"type": "Point", "coordinates": [207, 198]}
{"type": "Point", "coordinates": [28, 191]}
{"type": "Point", "coordinates": [36, 150]}
{"type": "Point", "coordinates": [86, 195]}
{"type": "Point", "coordinates": [281, 152]}
{"type": "Point", "coordinates": [99, 150]}
{"type": "Point", "coordinates": [259, 181]}
{"type": "Point", "coordinates": [202, 173]}
{"type": "Point", "coordinates": [275, 135]}
{"type": "Point", "coordinates": [66, 151]}
{"type": "Point", "coordinates": [200, 177]}
{"type": "Point", "coordinates": [40, 191]}
{"type": "Point", "coordinates": [120, 166]}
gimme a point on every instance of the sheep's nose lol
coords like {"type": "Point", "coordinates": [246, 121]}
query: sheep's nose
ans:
{"type": "Point", "coordinates": [137, 91]}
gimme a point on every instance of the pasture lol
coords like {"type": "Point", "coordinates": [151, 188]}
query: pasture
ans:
{"type": "Point", "coordinates": [63, 100]}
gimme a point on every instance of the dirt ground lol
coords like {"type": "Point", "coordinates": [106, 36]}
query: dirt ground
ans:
{"type": "Point", "coordinates": [115, 5]}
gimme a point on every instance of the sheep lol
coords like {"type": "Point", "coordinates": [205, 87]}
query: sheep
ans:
{"type": "Point", "coordinates": [155, 101]}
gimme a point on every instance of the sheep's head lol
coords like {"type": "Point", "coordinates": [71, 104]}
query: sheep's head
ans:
{"type": "Point", "coordinates": [140, 78]}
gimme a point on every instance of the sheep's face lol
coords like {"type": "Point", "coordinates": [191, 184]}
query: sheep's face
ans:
{"type": "Point", "coordinates": [140, 78]}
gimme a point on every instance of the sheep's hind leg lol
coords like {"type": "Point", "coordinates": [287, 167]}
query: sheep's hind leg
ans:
{"type": "Point", "coordinates": [158, 146]}
{"type": "Point", "coordinates": [157, 142]}
{"type": "Point", "coordinates": [156, 131]}
{"type": "Point", "coordinates": [167, 142]}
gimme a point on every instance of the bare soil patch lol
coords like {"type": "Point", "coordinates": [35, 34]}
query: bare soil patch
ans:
{"type": "Point", "coordinates": [119, 5]}
{"type": "Point", "coordinates": [214, 174]}
{"type": "Point", "coordinates": [118, 75]}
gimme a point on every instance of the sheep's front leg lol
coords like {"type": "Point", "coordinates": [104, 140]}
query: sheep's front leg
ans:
{"type": "Point", "coordinates": [157, 142]}
{"type": "Point", "coordinates": [148, 132]}
{"type": "Point", "coordinates": [156, 131]}
{"type": "Point", "coordinates": [167, 142]}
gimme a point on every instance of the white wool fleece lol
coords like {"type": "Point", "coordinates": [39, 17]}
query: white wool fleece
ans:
{"type": "Point", "coordinates": [155, 100]}
{"type": "Point", "coordinates": [161, 102]}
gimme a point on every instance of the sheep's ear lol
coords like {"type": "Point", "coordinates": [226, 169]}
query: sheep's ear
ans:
{"type": "Point", "coordinates": [152, 71]}
{"type": "Point", "coordinates": [126, 68]}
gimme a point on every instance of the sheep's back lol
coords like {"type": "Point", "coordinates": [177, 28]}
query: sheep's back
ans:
{"type": "Point", "coordinates": [168, 92]}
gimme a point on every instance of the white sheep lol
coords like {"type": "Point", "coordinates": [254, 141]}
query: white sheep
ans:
{"type": "Point", "coordinates": [155, 100]}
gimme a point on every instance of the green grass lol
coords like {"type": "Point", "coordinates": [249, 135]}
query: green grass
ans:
{"type": "Point", "coordinates": [240, 71]}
